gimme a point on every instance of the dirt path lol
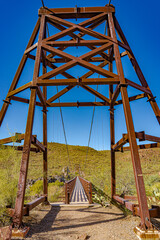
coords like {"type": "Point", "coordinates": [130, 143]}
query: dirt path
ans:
{"type": "Point", "coordinates": [71, 223]}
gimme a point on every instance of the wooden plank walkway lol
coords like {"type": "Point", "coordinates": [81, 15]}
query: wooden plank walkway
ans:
{"type": "Point", "coordinates": [78, 195]}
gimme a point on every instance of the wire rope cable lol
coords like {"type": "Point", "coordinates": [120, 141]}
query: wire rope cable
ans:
{"type": "Point", "coordinates": [64, 131]}
{"type": "Point", "coordinates": [61, 114]}
{"type": "Point", "coordinates": [93, 113]}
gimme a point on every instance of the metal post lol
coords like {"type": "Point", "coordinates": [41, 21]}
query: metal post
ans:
{"type": "Point", "coordinates": [18, 214]}
{"type": "Point", "coordinates": [17, 218]}
{"type": "Point", "coordinates": [45, 165]}
{"type": "Point", "coordinates": [142, 199]}
{"type": "Point", "coordinates": [112, 134]}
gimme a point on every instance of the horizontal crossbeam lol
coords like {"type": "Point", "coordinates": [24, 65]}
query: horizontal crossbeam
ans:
{"type": "Point", "coordinates": [144, 146]}
{"type": "Point", "coordinates": [78, 42]}
{"type": "Point", "coordinates": [142, 137]}
{"type": "Point", "coordinates": [79, 104]}
{"type": "Point", "coordinates": [76, 82]}
{"type": "Point", "coordinates": [38, 144]}
{"type": "Point", "coordinates": [86, 12]}
{"type": "Point", "coordinates": [20, 148]}
{"type": "Point", "coordinates": [35, 203]}
{"type": "Point", "coordinates": [24, 100]}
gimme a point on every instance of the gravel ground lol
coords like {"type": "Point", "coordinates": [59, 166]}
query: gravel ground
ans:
{"type": "Point", "coordinates": [71, 223]}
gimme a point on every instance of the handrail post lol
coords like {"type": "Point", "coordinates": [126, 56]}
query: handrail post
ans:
{"type": "Point", "coordinates": [66, 194]}
{"type": "Point", "coordinates": [69, 186]}
{"type": "Point", "coordinates": [90, 193]}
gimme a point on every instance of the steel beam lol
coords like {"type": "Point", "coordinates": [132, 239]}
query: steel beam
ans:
{"type": "Point", "coordinates": [45, 153]}
{"type": "Point", "coordinates": [18, 214]}
{"type": "Point", "coordinates": [145, 217]}
{"type": "Point", "coordinates": [138, 71]}
{"type": "Point", "coordinates": [67, 13]}
{"type": "Point", "coordinates": [78, 104]}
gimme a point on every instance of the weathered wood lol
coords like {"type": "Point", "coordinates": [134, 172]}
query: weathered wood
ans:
{"type": "Point", "coordinates": [35, 203]}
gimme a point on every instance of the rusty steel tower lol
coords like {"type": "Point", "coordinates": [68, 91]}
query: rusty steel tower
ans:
{"type": "Point", "coordinates": [51, 59]}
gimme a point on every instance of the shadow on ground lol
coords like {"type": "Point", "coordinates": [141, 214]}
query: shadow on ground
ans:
{"type": "Point", "coordinates": [71, 224]}
{"type": "Point", "coordinates": [45, 224]}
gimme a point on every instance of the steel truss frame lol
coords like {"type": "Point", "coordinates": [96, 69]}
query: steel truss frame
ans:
{"type": "Point", "coordinates": [49, 52]}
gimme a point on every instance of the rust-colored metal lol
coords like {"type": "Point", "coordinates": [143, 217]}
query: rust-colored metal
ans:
{"type": "Point", "coordinates": [134, 207]}
{"type": "Point", "coordinates": [45, 164]}
{"type": "Point", "coordinates": [18, 214]}
{"type": "Point", "coordinates": [131, 133]}
{"type": "Point", "coordinates": [69, 187]}
{"type": "Point", "coordinates": [87, 186]}
{"type": "Point", "coordinates": [103, 51]}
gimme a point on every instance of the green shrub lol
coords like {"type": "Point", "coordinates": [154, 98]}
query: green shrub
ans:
{"type": "Point", "coordinates": [57, 183]}
{"type": "Point", "coordinates": [55, 192]}
{"type": "Point", "coordinates": [36, 188]}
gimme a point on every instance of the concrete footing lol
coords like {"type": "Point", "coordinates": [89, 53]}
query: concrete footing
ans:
{"type": "Point", "coordinates": [20, 233]}
{"type": "Point", "coordinates": [147, 234]}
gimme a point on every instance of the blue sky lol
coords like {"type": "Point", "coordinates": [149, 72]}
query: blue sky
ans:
{"type": "Point", "coordinates": [140, 22]}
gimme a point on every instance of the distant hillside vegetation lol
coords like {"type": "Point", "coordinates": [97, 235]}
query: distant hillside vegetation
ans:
{"type": "Point", "coordinates": [96, 168]}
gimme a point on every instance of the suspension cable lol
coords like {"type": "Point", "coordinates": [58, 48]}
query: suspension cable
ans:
{"type": "Point", "coordinates": [42, 3]}
{"type": "Point", "coordinates": [64, 131]}
{"type": "Point", "coordinates": [93, 114]}
{"type": "Point", "coordinates": [90, 132]}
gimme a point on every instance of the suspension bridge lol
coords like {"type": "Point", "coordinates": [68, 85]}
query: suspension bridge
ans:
{"type": "Point", "coordinates": [53, 67]}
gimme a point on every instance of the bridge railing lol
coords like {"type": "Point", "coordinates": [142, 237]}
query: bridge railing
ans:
{"type": "Point", "coordinates": [87, 188]}
{"type": "Point", "coordinates": [69, 187]}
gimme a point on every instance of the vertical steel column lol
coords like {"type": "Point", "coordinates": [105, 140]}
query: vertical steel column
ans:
{"type": "Point", "coordinates": [18, 214]}
{"type": "Point", "coordinates": [112, 137]}
{"type": "Point", "coordinates": [45, 167]}
{"type": "Point", "coordinates": [144, 213]}
{"type": "Point", "coordinates": [112, 133]}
